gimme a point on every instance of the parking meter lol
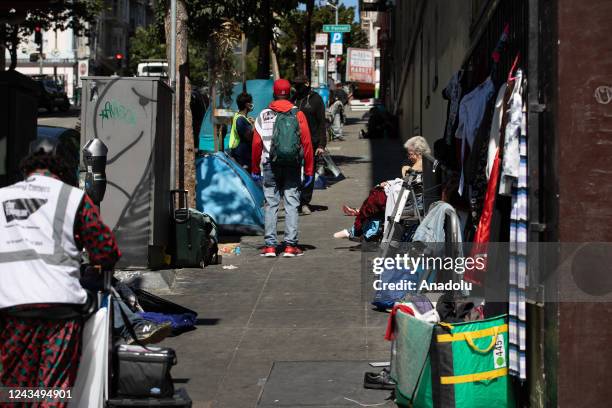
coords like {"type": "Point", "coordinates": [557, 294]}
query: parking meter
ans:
{"type": "Point", "coordinates": [94, 157]}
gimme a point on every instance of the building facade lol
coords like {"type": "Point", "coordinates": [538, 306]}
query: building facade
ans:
{"type": "Point", "coordinates": [69, 57]}
{"type": "Point", "coordinates": [564, 50]}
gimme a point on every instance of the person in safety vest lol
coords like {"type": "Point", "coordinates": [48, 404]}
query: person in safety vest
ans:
{"type": "Point", "coordinates": [45, 221]}
{"type": "Point", "coordinates": [281, 142]}
{"type": "Point", "coordinates": [241, 134]}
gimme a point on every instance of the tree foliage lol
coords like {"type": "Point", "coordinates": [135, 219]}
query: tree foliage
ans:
{"type": "Point", "coordinates": [75, 15]}
{"type": "Point", "coordinates": [293, 40]}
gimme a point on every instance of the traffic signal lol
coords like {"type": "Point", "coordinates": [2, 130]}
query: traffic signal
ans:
{"type": "Point", "coordinates": [338, 59]}
{"type": "Point", "coordinates": [38, 38]}
{"type": "Point", "coordinates": [119, 60]}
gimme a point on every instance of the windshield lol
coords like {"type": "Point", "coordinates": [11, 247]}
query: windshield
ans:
{"type": "Point", "coordinates": [154, 69]}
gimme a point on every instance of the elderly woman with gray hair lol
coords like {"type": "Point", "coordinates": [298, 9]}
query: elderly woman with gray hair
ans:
{"type": "Point", "coordinates": [369, 218]}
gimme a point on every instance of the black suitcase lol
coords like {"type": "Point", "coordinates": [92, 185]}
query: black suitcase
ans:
{"type": "Point", "coordinates": [195, 235]}
{"type": "Point", "coordinates": [179, 399]}
{"type": "Point", "coordinates": [144, 372]}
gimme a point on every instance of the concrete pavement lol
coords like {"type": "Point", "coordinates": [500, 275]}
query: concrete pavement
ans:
{"type": "Point", "coordinates": [298, 309]}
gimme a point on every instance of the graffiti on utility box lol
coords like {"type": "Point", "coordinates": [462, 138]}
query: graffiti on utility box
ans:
{"type": "Point", "coordinates": [113, 110]}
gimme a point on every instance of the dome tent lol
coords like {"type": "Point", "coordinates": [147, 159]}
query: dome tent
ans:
{"type": "Point", "coordinates": [227, 193]}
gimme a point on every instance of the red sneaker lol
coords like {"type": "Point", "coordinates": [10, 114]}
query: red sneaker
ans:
{"type": "Point", "coordinates": [268, 251]}
{"type": "Point", "coordinates": [291, 251]}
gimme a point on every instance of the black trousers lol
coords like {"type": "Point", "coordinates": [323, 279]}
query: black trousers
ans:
{"type": "Point", "coordinates": [306, 196]}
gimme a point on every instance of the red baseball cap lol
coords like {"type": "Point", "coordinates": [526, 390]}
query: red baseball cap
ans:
{"type": "Point", "coordinates": [282, 87]}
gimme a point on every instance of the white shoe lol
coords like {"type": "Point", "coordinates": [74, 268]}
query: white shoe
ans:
{"type": "Point", "coordinates": [342, 234]}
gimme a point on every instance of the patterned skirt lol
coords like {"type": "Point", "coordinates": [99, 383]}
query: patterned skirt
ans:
{"type": "Point", "coordinates": [39, 353]}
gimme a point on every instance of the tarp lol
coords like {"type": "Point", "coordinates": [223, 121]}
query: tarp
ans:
{"type": "Point", "coordinates": [260, 89]}
{"type": "Point", "coordinates": [226, 192]}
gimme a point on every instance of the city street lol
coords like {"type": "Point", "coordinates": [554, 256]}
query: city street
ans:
{"type": "Point", "coordinates": [68, 119]}
{"type": "Point", "coordinates": [441, 167]}
{"type": "Point", "coordinates": [300, 309]}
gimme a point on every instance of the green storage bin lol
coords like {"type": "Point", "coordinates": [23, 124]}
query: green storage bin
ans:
{"type": "Point", "coordinates": [467, 367]}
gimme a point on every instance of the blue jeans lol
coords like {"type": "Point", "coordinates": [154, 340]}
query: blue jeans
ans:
{"type": "Point", "coordinates": [284, 181]}
{"type": "Point", "coordinates": [119, 327]}
{"type": "Point", "coordinates": [337, 125]}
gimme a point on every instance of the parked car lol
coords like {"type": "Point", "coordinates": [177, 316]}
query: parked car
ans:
{"type": "Point", "coordinates": [52, 94]}
{"type": "Point", "coordinates": [153, 68]}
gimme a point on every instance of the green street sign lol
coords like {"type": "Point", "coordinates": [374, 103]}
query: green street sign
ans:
{"type": "Point", "coordinates": [336, 28]}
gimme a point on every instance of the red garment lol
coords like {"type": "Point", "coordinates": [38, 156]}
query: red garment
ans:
{"type": "Point", "coordinates": [283, 105]}
{"type": "Point", "coordinates": [373, 207]}
{"type": "Point", "coordinates": [39, 353]}
{"type": "Point", "coordinates": [483, 232]}
{"type": "Point", "coordinates": [391, 322]}
{"type": "Point", "coordinates": [95, 236]}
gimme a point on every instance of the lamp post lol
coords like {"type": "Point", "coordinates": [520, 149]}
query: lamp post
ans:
{"type": "Point", "coordinates": [335, 6]}
{"type": "Point", "coordinates": [173, 87]}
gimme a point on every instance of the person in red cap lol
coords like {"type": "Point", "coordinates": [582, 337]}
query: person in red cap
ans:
{"type": "Point", "coordinates": [281, 142]}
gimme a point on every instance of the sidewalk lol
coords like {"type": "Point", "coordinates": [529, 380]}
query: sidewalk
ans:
{"type": "Point", "coordinates": [298, 309]}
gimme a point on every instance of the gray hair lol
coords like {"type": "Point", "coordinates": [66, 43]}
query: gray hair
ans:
{"type": "Point", "coordinates": [418, 144]}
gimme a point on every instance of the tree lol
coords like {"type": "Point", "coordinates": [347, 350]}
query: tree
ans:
{"type": "Point", "coordinates": [76, 15]}
{"type": "Point", "coordinates": [295, 36]}
{"type": "Point", "coordinates": [147, 43]}
{"type": "Point", "coordinates": [185, 142]}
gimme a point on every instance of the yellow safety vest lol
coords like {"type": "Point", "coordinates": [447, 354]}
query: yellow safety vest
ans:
{"type": "Point", "coordinates": [234, 137]}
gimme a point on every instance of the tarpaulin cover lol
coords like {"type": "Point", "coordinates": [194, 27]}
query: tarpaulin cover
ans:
{"type": "Point", "coordinates": [260, 89]}
{"type": "Point", "coordinates": [227, 193]}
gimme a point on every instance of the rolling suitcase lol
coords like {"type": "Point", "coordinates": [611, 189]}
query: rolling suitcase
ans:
{"type": "Point", "coordinates": [195, 235]}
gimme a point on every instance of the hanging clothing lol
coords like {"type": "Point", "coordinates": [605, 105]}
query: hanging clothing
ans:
{"type": "Point", "coordinates": [517, 328]}
{"type": "Point", "coordinates": [496, 123]}
{"type": "Point", "coordinates": [452, 93]}
{"type": "Point", "coordinates": [484, 222]}
{"type": "Point", "coordinates": [481, 240]}
{"type": "Point", "coordinates": [471, 113]}
{"type": "Point", "coordinates": [511, 156]}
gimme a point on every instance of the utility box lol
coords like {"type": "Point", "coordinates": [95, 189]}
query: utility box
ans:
{"type": "Point", "coordinates": [132, 117]}
{"type": "Point", "coordinates": [18, 122]}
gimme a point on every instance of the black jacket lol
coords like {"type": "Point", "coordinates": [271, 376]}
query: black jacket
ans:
{"type": "Point", "coordinates": [314, 109]}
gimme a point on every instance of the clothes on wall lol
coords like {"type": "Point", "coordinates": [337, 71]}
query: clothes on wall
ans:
{"type": "Point", "coordinates": [517, 327]}
{"type": "Point", "coordinates": [471, 113]}
{"type": "Point", "coordinates": [492, 134]}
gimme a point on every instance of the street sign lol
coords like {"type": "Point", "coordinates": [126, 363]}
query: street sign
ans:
{"type": "Point", "coordinates": [83, 71]}
{"type": "Point", "coordinates": [332, 65]}
{"type": "Point", "coordinates": [336, 28]}
{"type": "Point", "coordinates": [321, 39]}
{"type": "Point", "coordinates": [336, 44]}
{"type": "Point", "coordinates": [336, 49]}
{"type": "Point", "coordinates": [360, 65]}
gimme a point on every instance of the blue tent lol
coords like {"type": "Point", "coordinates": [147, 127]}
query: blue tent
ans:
{"type": "Point", "coordinates": [226, 192]}
{"type": "Point", "coordinates": [260, 89]}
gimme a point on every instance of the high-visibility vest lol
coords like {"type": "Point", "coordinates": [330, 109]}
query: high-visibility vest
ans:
{"type": "Point", "coordinates": [39, 257]}
{"type": "Point", "coordinates": [234, 136]}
